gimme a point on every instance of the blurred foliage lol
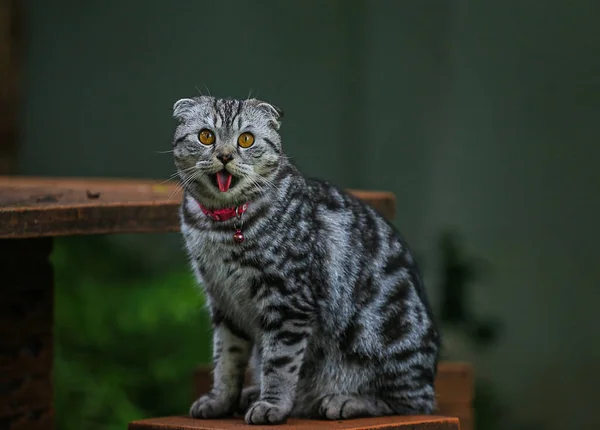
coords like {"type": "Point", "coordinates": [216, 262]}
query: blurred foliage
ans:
{"type": "Point", "coordinates": [490, 411]}
{"type": "Point", "coordinates": [459, 270]}
{"type": "Point", "coordinates": [127, 336]}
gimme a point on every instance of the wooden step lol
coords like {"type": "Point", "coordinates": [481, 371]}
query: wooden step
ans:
{"type": "Point", "coordinates": [454, 390]}
{"type": "Point", "coordinates": [381, 423]}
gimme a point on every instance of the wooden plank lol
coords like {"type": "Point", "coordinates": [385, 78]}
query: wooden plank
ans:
{"type": "Point", "coordinates": [38, 207]}
{"type": "Point", "coordinates": [455, 388]}
{"type": "Point", "coordinates": [455, 382]}
{"type": "Point", "coordinates": [463, 411]}
{"type": "Point", "coordinates": [380, 423]}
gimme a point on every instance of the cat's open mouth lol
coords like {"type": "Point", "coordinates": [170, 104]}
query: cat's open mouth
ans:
{"type": "Point", "coordinates": [223, 180]}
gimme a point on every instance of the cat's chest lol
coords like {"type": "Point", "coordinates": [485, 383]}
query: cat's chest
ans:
{"type": "Point", "coordinates": [224, 277]}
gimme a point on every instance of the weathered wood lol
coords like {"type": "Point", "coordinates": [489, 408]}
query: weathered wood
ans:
{"type": "Point", "coordinates": [455, 382]}
{"type": "Point", "coordinates": [26, 330]}
{"type": "Point", "coordinates": [454, 389]}
{"type": "Point", "coordinates": [382, 423]}
{"type": "Point", "coordinates": [455, 392]}
{"type": "Point", "coordinates": [42, 207]}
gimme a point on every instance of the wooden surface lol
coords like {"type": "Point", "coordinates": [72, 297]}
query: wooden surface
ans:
{"type": "Point", "coordinates": [455, 392]}
{"type": "Point", "coordinates": [454, 389]}
{"type": "Point", "coordinates": [26, 324]}
{"type": "Point", "coordinates": [37, 207]}
{"type": "Point", "coordinates": [382, 423]}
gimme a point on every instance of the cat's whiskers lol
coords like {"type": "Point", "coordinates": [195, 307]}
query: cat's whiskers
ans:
{"type": "Point", "coordinates": [181, 186]}
{"type": "Point", "coordinates": [255, 180]}
{"type": "Point", "coordinates": [269, 185]}
{"type": "Point", "coordinates": [269, 182]}
{"type": "Point", "coordinates": [178, 187]}
{"type": "Point", "coordinates": [170, 178]}
{"type": "Point", "coordinates": [176, 174]}
{"type": "Point", "coordinates": [261, 185]}
{"type": "Point", "coordinates": [257, 186]}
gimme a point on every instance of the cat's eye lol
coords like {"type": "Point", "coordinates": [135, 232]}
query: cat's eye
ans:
{"type": "Point", "coordinates": [246, 140]}
{"type": "Point", "coordinates": [206, 137]}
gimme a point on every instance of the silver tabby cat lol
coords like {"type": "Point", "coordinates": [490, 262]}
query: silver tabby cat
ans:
{"type": "Point", "coordinates": [317, 291]}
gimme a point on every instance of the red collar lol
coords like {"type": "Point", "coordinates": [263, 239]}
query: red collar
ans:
{"type": "Point", "coordinates": [225, 213]}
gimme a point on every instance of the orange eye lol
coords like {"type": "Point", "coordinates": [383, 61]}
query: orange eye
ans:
{"type": "Point", "coordinates": [206, 137]}
{"type": "Point", "coordinates": [246, 140]}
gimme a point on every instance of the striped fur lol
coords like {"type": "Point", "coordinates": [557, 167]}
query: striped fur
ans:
{"type": "Point", "coordinates": [323, 298]}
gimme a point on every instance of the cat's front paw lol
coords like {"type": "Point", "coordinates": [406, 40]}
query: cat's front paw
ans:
{"type": "Point", "coordinates": [263, 412]}
{"type": "Point", "coordinates": [209, 406]}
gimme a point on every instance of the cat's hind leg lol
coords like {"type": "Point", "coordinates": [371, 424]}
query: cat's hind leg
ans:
{"type": "Point", "coordinates": [346, 406]}
{"type": "Point", "coordinates": [248, 397]}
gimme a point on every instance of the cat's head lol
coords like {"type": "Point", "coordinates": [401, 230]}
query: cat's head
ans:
{"type": "Point", "coordinates": [226, 151]}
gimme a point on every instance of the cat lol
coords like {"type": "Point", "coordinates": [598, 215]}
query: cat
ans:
{"type": "Point", "coordinates": [306, 283]}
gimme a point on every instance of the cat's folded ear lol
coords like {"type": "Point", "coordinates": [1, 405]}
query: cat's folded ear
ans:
{"type": "Point", "coordinates": [275, 112]}
{"type": "Point", "coordinates": [184, 109]}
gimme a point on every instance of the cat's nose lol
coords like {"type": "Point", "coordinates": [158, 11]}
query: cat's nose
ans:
{"type": "Point", "coordinates": [225, 158]}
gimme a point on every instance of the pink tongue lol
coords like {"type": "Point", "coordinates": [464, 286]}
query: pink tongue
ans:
{"type": "Point", "coordinates": [224, 180]}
